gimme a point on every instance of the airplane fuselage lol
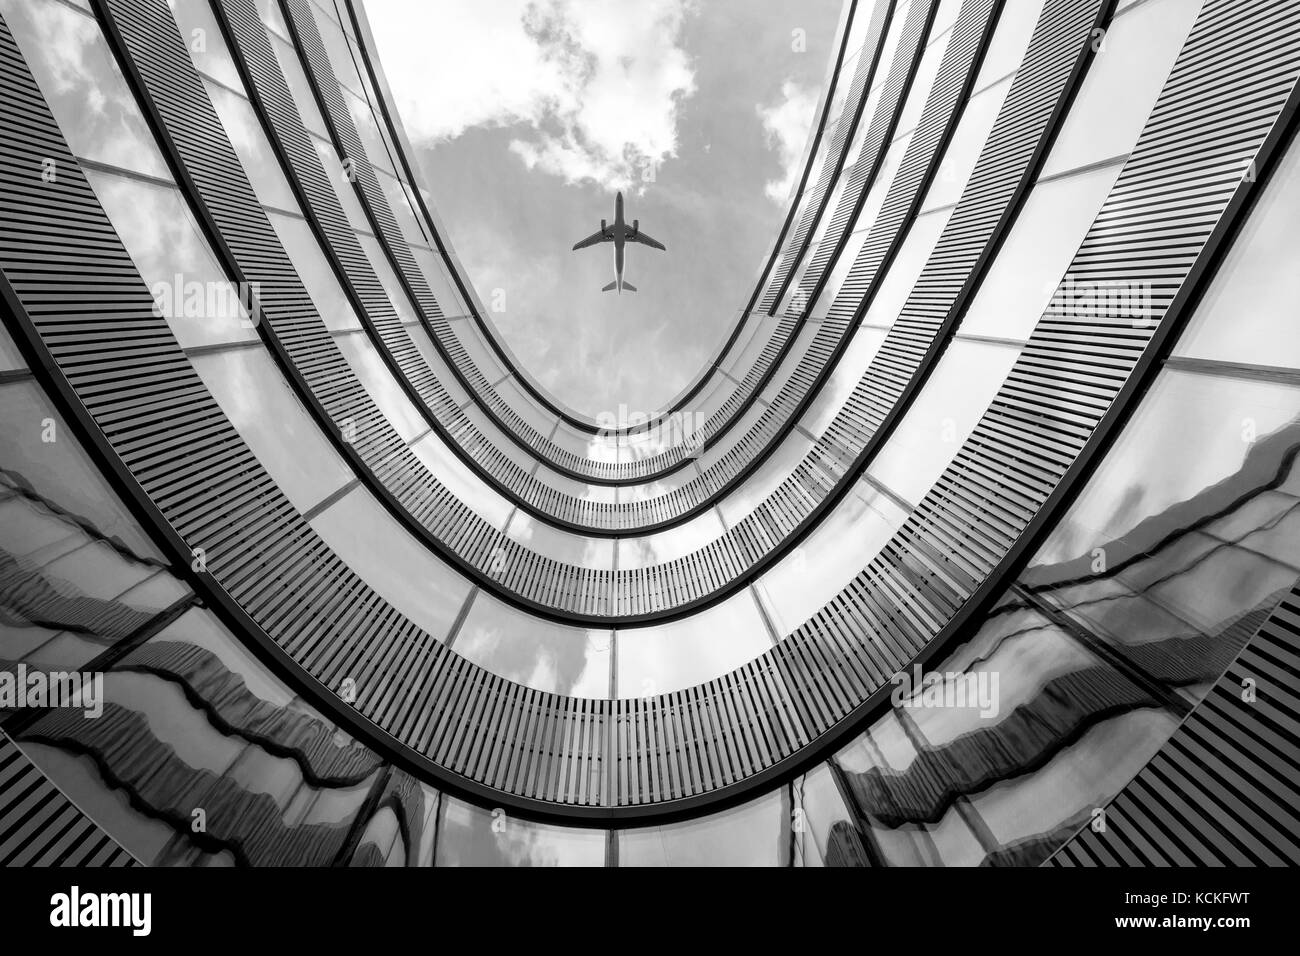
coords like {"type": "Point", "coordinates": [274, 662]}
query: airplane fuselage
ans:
{"type": "Point", "coordinates": [620, 242]}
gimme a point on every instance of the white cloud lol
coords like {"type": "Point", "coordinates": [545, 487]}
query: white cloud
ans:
{"type": "Point", "coordinates": [599, 83]}
{"type": "Point", "coordinates": [786, 123]}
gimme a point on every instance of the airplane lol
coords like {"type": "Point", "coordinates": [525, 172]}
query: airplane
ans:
{"type": "Point", "coordinates": [619, 234]}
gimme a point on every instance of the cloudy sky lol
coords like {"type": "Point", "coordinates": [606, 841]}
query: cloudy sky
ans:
{"type": "Point", "coordinates": [527, 115]}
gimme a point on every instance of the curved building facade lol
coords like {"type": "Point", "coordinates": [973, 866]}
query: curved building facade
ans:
{"type": "Point", "coordinates": [975, 542]}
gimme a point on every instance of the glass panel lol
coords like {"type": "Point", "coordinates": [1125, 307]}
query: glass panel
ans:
{"type": "Point", "coordinates": [1010, 40]}
{"type": "Point", "coordinates": [470, 836]}
{"type": "Point", "coordinates": [747, 350]}
{"type": "Point", "coordinates": [1248, 314]}
{"type": "Point", "coordinates": [11, 359]}
{"type": "Point", "coordinates": [604, 494]}
{"type": "Point", "coordinates": [207, 45]}
{"type": "Point", "coordinates": [824, 833]}
{"type": "Point", "coordinates": [401, 208]}
{"type": "Point", "coordinates": [40, 451]}
{"type": "Point", "coordinates": [682, 539]}
{"type": "Point", "coordinates": [564, 546]}
{"type": "Point", "coordinates": [246, 135]}
{"type": "Point", "coordinates": [189, 287]}
{"type": "Point", "coordinates": [689, 651]}
{"type": "Point", "coordinates": [456, 477]}
{"type": "Point", "coordinates": [906, 268]}
{"type": "Point", "coordinates": [314, 271]}
{"type": "Point", "coordinates": [294, 75]}
{"type": "Point", "coordinates": [444, 291]}
{"type": "Point", "coordinates": [86, 92]}
{"type": "Point", "coordinates": [1123, 83]}
{"type": "Point", "coordinates": [168, 752]}
{"type": "Point", "coordinates": [498, 438]}
{"type": "Point", "coordinates": [402, 570]}
{"type": "Point", "coordinates": [940, 35]}
{"type": "Point", "coordinates": [250, 390]}
{"type": "Point", "coordinates": [60, 569]}
{"type": "Point", "coordinates": [839, 272]}
{"type": "Point", "coordinates": [943, 415]}
{"type": "Point", "coordinates": [753, 834]}
{"type": "Point", "coordinates": [388, 278]}
{"type": "Point", "coordinates": [802, 343]}
{"type": "Point", "coordinates": [381, 386]}
{"type": "Point", "coordinates": [336, 46]}
{"type": "Point", "coordinates": [420, 337]}
{"type": "Point", "coordinates": [1039, 248]}
{"type": "Point", "coordinates": [840, 385]}
{"type": "Point", "coordinates": [822, 565]}
{"type": "Point", "coordinates": [541, 654]}
{"type": "Point", "coordinates": [269, 11]}
{"type": "Point", "coordinates": [755, 489]}
{"type": "Point", "coordinates": [524, 406]}
{"type": "Point", "coordinates": [1000, 750]}
{"type": "Point", "coordinates": [967, 141]}
{"type": "Point", "coordinates": [343, 189]}
{"type": "Point", "coordinates": [1189, 527]}
{"type": "Point", "coordinates": [480, 353]}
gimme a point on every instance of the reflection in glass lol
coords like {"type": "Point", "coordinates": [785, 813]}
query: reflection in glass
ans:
{"type": "Point", "coordinates": [1123, 83]}
{"type": "Point", "coordinates": [268, 416]}
{"type": "Point", "coordinates": [944, 413]}
{"type": "Point", "coordinates": [194, 726]}
{"type": "Point", "coordinates": [753, 834]}
{"type": "Point", "coordinates": [400, 569]}
{"type": "Point", "coordinates": [80, 80]}
{"type": "Point", "coordinates": [543, 654]}
{"type": "Point", "coordinates": [1248, 314]}
{"type": "Point", "coordinates": [189, 288]}
{"type": "Point", "coordinates": [666, 657]}
{"type": "Point", "coordinates": [470, 836]}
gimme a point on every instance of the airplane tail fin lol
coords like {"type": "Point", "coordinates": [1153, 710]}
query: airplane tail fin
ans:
{"type": "Point", "coordinates": [628, 286]}
{"type": "Point", "coordinates": [610, 287]}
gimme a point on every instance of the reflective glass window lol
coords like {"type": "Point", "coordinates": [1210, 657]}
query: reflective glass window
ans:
{"type": "Point", "coordinates": [1249, 313]}
{"type": "Point", "coordinates": [435, 273]}
{"type": "Point", "coordinates": [666, 657]}
{"type": "Point", "coordinates": [80, 80]}
{"type": "Point", "coordinates": [752, 834]}
{"type": "Point", "coordinates": [941, 417]}
{"type": "Point", "coordinates": [647, 550]}
{"type": "Point", "coordinates": [830, 398]}
{"type": "Point", "coordinates": [564, 546]}
{"type": "Point", "coordinates": [402, 570]}
{"type": "Point", "coordinates": [207, 45]}
{"type": "Point", "coordinates": [470, 836]}
{"type": "Point", "coordinates": [295, 75]}
{"type": "Point", "coordinates": [1010, 40]}
{"type": "Point", "coordinates": [541, 654]}
{"type": "Point", "coordinates": [246, 135]}
{"type": "Point", "coordinates": [189, 288]}
{"type": "Point", "coordinates": [1123, 83]}
{"type": "Point", "coordinates": [381, 386]}
{"type": "Point", "coordinates": [1025, 273]}
{"type": "Point", "coordinates": [457, 478]}
{"type": "Point", "coordinates": [954, 170]}
{"type": "Point", "coordinates": [900, 279]}
{"type": "Point", "coordinates": [825, 834]}
{"type": "Point", "coordinates": [268, 416]}
{"type": "Point", "coordinates": [40, 449]}
{"type": "Point", "coordinates": [314, 270]}
{"type": "Point", "coordinates": [825, 561]}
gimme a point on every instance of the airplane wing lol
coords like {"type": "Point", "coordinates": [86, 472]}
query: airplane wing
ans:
{"type": "Point", "coordinates": [642, 238]}
{"type": "Point", "coordinates": [595, 237]}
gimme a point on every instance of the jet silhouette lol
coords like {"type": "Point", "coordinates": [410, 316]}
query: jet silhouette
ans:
{"type": "Point", "coordinates": [620, 234]}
